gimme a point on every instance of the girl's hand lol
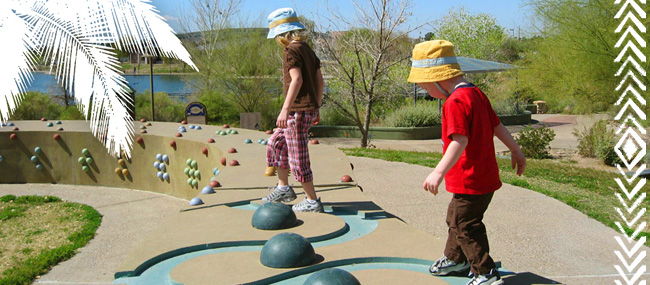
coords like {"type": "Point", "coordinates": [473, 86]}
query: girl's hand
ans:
{"type": "Point", "coordinates": [282, 119]}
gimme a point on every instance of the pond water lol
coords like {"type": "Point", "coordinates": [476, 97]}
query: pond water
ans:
{"type": "Point", "coordinates": [174, 85]}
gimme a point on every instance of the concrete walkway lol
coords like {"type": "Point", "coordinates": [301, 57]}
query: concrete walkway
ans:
{"type": "Point", "coordinates": [543, 240]}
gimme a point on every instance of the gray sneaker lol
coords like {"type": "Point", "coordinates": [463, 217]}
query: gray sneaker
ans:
{"type": "Point", "coordinates": [445, 266]}
{"type": "Point", "coordinates": [279, 195]}
{"type": "Point", "coordinates": [306, 206]}
{"type": "Point", "coordinates": [490, 278]}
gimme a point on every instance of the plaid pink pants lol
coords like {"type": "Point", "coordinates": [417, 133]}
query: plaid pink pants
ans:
{"type": "Point", "coordinates": [289, 147]}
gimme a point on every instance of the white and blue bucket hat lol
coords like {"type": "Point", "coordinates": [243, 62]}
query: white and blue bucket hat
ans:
{"type": "Point", "coordinates": [283, 20]}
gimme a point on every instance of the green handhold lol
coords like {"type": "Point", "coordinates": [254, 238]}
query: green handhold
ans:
{"type": "Point", "coordinates": [85, 168]}
{"type": "Point", "coordinates": [191, 173]}
{"type": "Point", "coordinates": [85, 152]}
{"type": "Point", "coordinates": [188, 161]}
{"type": "Point", "coordinates": [89, 160]}
{"type": "Point", "coordinates": [38, 150]}
{"type": "Point", "coordinates": [195, 183]}
{"type": "Point", "coordinates": [197, 174]}
{"type": "Point", "coordinates": [194, 164]}
{"type": "Point", "coordinates": [34, 159]}
{"type": "Point", "coordinates": [234, 132]}
{"type": "Point", "coordinates": [189, 181]}
{"type": "Point", "coordinates": [81, 160]}
{"type": "Point", "coordinates": [187, 171]}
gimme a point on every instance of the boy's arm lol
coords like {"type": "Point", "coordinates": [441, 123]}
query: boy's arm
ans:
{"type": "Point", "coordinates": [453, 153]}
{"type": "Point", "coordinates": [292, 93]}
{"type": "Point", "coordinates": [517, 158]}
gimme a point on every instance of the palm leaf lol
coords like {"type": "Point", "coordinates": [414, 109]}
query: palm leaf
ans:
{"type": "Point", "coordinates": [15, 75]}
{"type": "Point", "coordinates": [89, 72]}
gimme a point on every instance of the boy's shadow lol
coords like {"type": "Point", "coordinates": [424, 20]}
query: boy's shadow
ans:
{"type": "Point", "coordinates": [527, 278]}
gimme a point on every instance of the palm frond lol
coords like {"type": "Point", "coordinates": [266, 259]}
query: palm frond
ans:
{"type": "Point", "coordinates": [89, 72]}
{"type": "Point", "coordinates": [18, 63]}
{"type": "Point", "coordinates": [135, 26]}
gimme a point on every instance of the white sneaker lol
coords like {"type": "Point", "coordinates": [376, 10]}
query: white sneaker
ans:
{"type": "Point", "coordinates": [445, 266]}
{"type": "Point", "coordinates": [279, 195]}
{"type": "Point", "coordinates": [491, 278]}
{"type": "Point", "coordinates": [306, 206]}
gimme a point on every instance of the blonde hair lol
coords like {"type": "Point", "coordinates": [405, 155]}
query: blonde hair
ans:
{"type": "Point", "coordinates": [296, 35]}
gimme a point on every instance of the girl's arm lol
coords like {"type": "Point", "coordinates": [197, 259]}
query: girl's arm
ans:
{"type": "Point", "coordinates": [292, 93]}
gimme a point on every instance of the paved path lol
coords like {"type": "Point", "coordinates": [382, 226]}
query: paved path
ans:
{"type": "Point", "coordinates": [540, 238]}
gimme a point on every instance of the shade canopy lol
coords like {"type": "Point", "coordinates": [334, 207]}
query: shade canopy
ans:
{"type": "Point", "coordinates": [473, 65]}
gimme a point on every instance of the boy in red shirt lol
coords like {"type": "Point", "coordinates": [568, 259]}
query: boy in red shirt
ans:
{"type": "Point", "coordinates": [468, 165]}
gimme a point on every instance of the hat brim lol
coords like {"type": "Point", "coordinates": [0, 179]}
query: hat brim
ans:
{"type": "Point", "coordinates": [435, 73]}
{"type": "Point", "coordinates": [283, 28]}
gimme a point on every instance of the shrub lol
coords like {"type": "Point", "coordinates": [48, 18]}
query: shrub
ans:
{"type": "Point", "coordinates": [220, 111]}
{"type": "Point", "coordinates": [505, 107]}
{"type": "Point", "coordinates": [598, 141]}
{"type": "Point", "coordinates": [72, 113]}
{"type": "Point", "coordinates": [421, 115]}
{"type": "Point", "coordinates": [535, 143]}
{"type": "Point", "coordinates": [36, 105]}
{"type": "Point", "coordinates": [167, 110]}
{"type": "Point", "coordinates": [331, 116]}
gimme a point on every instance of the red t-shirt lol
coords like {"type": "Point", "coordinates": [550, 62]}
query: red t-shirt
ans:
{"type": "Point", "coordinates": [468, 112]}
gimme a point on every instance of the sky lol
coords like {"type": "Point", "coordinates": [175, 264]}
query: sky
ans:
{"type": "Point", "coordinates": [510, 14]}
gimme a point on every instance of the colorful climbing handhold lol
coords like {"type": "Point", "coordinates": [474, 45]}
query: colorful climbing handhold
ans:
{"type": "Point", "coordinates": [159, 174]}
{"type": "Point", "coordinates": [148, 124]}
{"type": "Point", "coordinates": [187, 171]}
{"type": "Point", "coordinates": [226, 126]}
{"type": "Point", "coordinates": [234, 163]}
{"type": "Point", "coordinates": [16, 129]}
{"type": "Point", "coordinates": [204, 151]}
{"type": "Point", "coordinates": [210, 140]}
{"type": "Point", "coordinates": [269, 132]}
{"type": "Point", "coordinates": [81, 160]}
{"type": "Point", "coordinates": [165, 158]}
{"type": "Point", "coordinates": [215, 183]}
{"type": "Point", "coordinates": [121, 162]}
{"type": "Point", "coordinates": [49, 124]}
{"type": "Point", "coordinates": [1, 158]}
{"type": "Point", "coordinates": [156, 165]}
{"type": "Point", "coordinates": [223, 161]}
{"type": "Point", "coordinates": [60, 129]}
{"type": "Point", "coordinates": [196, 201]}
{"type": "Point", "coordinates": [248, 141]}
{"type": "Point", "coordinates": [125, 172]}
{"type": "Point", "coordinates": [58, 122]}
{"type": "Point", "coordinates": [232, 150]}
{"type": "Point", "coordinates": [195, 183]}
{"type": "Point", "coordinates": [43, 119]}
{"type": "Point", "coordinates": [197, 174]}
{"type": "Point", "coordinates": [34, 159]}
{"type": "Point", "coordinates": [172, 143]}
{"type": "Point", "coordinates": [143, 131]}
{"type": "Point", "coordinates": [39, 166]}
{"type": "Point", "coordinates": [118, 171]}
{"type": "Point", "coordinates": [207, 190]}
{"type": "Point", "coordinates": [166, 176]}
{"type": "Point", "coordinates": [191, 173]}
{"type": "Point", "coordinates": [314, 141]}
{"type": "Point", "coordinates": [159, 157]}
{"type": "Point", "coordinates": [178, 135]}
{"type": "Point", "coordinates": [56, 137]}
{"type": "Point", "coordinates": [38, 150]}
{"type": "Point", "coordinates": [143, 120]}
{"type": "Point", "coordinates": [85, 168]}
{"type": "Point", "coordinates": [192, 127]}
{"type": "Point", "coordinates": [85, 152]}
{"type": "Point", "coordinates": [163, 167]}
{"type": "Point", "coordinates": [197, 127]}
{"type": "Point", "coordinates": [13, 137]}
{"type": "Point", "coordinates": [139, 140]}
{"type": "Point", "coordinates": [189, 181]}
{"type": "Point", "coordinates": [188, 162]}
{"type": "Point", "coordinates": [89, 160]}
{"type": "Point", "coordinates": [184, 122]}
{"type": "Point", "coordinates": [194, 164]}
{"type": "Point", "coordinates": [346, 178]}
{"type": "Point", "coordinates": [142, 127]}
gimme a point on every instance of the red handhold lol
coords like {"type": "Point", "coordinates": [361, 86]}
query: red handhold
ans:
{"type": "Point", "coordinates": [205, 151]}
{"type": "Point", "coordinates": [13, 136]}
{"type": "Point", "coordinates": [346, 178]}
{"type": "Point", "coordinates": [226, 126]}
{"type": "Point", "coordinates": [269, 132]}
{"type": "Point", "coordinates": [178, 135]}
{"type": "Point", "coordinates": [232, 150]}
{"type": "Point", "coordinates": [140, 140]}
{"type": "Point", "coordinates": [234, 163]}
{"type": "Point", "coordinates": [16, 129]}
{"type": "Point", "coordinates": [314, 141]}
{"type": "Point", "coordinates": [56, 137]}
{"type": "Point", "coordinates": [223, 161]}
{"type": "Point", "coordinates": [172, 144]}
{"type": "Point", "coordinates": [184, 122]}
{"type": "Point", "coordinates": [210, 140]}
{"type": "Point", "coordinates": [215, 183]}
{"type": "Point", "coordinates": [43, 119]}
{"type": "Point", "coordinates": [143, 120]}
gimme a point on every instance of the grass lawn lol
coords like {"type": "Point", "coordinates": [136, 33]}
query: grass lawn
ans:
{"type": "Point", "coordinates": [586, 190]}
{"type": "Point", "coordinates": [38, 232]}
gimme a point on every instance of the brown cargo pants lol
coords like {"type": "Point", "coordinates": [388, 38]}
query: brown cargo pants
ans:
{"type": "Point", "coordinates": [467, 236]}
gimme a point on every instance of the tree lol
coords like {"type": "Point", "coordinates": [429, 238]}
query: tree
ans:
{"type": "Point", "coordinates": [478, 36]}
{"type": "Point", "coordinates": [367, 64]}
{"type": "Point", "coordinates": [571, 66]}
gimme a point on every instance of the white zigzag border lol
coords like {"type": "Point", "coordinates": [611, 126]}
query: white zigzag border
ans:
{"type": "Point", "coordinates": [632, 218]}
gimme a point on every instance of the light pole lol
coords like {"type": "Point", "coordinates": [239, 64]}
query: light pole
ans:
{"type": "Point", "coordinates": [150, 58]}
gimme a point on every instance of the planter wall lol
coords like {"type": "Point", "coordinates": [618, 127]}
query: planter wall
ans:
{"type": "Point", "coordinates": [416, 133]}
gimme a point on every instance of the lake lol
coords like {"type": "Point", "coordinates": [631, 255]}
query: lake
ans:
{"type": "Point", "coordinates": [174, 85]}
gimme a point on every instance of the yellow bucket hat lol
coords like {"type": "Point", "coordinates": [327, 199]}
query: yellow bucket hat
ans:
{"type": "Point", "coordinates": [434, 61]}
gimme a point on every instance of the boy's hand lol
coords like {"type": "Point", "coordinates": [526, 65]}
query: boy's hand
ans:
{"type": "Point", "coordinates": [282, 119]}
{"type": "Point", "coordinates": [432, 182]}
{"type": "Point", "coordinates": [519, 160]}
{"type": "Point", "coordinates": [316, 120]}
